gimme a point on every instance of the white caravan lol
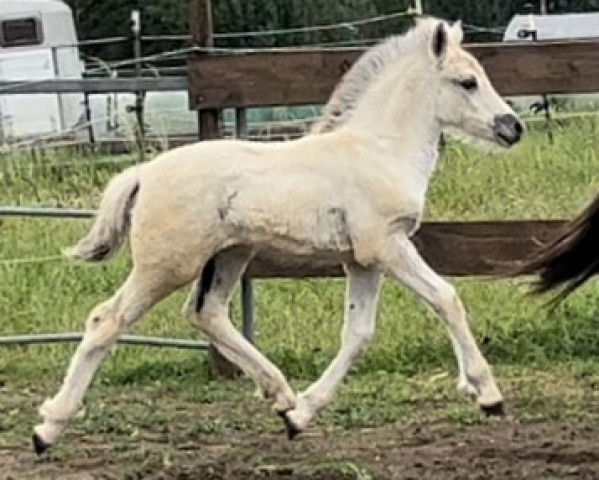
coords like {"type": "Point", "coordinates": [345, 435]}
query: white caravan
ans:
{"type": "Point", "coordinates": [555, 27]}
{"type": "Point", "coordinates": [563, 26]}
{"type": "Point", "coordinates": [38, 42]}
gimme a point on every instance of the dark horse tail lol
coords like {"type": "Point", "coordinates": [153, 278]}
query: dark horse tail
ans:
{"type": "Point", "coordinates": [571, 259]}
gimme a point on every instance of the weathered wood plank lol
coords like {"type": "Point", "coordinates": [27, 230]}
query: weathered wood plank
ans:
{"type": "Point", "coordinates": [546, 67]}
{"type": "Point", "coordinates": [308, 77]}
{"type": "Point", "coordinates": [266, 79]}
{"type": "Point", "coordinates": [451, 248]}
{"type": "Point", "coordinates": [482, 248]}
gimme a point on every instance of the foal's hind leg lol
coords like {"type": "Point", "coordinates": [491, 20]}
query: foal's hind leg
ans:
{"type": "Point", "coordinates": [105, 323]}
{"type": "Point", "coordinates": [207, 308]}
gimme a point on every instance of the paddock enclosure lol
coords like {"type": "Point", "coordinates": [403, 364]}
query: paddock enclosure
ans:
{"type": "Point", "coordinates": [162, 413]}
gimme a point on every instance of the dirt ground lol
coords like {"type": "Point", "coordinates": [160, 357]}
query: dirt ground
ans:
{"type": "Point", "coordinates": [504, 450]}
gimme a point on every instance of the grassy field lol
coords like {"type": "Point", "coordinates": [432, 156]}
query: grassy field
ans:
{"type": "Point", "coordinates": [408, 368]}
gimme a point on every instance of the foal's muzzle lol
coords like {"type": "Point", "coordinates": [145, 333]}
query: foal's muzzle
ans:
{"type": "Point", "coordinates": [507, 129]}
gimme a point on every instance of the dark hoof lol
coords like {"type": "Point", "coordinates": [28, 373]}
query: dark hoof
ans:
{"type": "Point", "coordinates": [39, 445]}
{"type": "Point", "coordinates": [292, 430]}
{"type": "Point", "coordinates": [493, 410]}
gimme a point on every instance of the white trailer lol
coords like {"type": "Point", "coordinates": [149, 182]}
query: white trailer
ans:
{"type": "Point", "coordinates": [554, 27]}
{"type": "Point", "coordinates": [38, 42]}
{"type": "Point", "coordinates": [563, 26]}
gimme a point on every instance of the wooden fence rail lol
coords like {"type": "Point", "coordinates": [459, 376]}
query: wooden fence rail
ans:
{"type": "Point", "coordinates": [308, 77]}
{"type": "Point", "coordinates": [452, 248]}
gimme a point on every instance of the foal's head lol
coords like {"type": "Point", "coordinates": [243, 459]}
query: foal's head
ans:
{"type": "Point", "coordinates": [466, 100]}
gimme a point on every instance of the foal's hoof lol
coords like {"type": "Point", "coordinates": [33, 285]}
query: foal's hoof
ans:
{"type": "Point", "coordinates": [39, 445]}
{"type": "Point", "coordinates": [493, 410]}
{"type": "Point", "coordinates": [292, 430]}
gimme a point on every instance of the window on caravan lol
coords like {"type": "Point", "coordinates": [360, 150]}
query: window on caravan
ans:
{"type": "Point", "coordinates": [20, 32]}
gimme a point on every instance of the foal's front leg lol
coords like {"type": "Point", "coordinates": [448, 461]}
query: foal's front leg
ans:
{"type": "Point", "coordinates": [360, 305]}
{"type": "Point", "coordinates": [404, 262]}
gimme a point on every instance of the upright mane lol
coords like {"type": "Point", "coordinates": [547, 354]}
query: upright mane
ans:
{"type": "Point", "coordinates": [367, 68]}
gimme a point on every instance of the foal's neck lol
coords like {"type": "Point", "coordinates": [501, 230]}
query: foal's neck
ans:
{"type": "Point", "coordinates": [400, 112]}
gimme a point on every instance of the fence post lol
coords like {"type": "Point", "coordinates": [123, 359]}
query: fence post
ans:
{"type": "Point", "coordinates": [202, 35]}
{"type": "Point", "coordinates": [139, 95]}
{"type": "Point", "coordinates": [59, 98]}
{"type": "Point", "coordinates": [209, 128]}
{"type": "Point", "coordinates": [88, 119]}
{"type": "Point", "coordinates": [418, 7]}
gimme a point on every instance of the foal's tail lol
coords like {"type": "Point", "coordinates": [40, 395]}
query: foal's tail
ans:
{"type": "Point", "coordinates": [571, 259]}
{"type": "Point", "coordinates": [112, 221]}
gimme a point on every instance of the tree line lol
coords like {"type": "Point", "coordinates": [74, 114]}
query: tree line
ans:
{"type": "Point", "coordinates": [108, 18]}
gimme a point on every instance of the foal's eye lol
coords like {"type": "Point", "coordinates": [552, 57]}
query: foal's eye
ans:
{"type": "Point", "coordinates": [468, 84]}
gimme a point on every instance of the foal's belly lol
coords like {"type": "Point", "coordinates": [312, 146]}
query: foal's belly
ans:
{"type": "Point", "coordinates": [314, 233]}
{"type": "Point", "coordinates": [269, 259]}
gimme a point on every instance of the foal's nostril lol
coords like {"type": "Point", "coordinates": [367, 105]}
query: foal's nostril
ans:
{"type": "Point", "coordinates": [518, 128]}
{"type": "Point", "coordinates": [508, 127]}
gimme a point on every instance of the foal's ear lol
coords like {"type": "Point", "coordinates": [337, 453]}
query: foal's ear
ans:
{"type": "Point", "coordinates": [457, 33]}
{"type": "Point", "coordinates": [439, 42]}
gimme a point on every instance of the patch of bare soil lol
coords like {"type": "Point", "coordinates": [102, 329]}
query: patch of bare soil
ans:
{"type": "Point", "coordinates": [504, 450]}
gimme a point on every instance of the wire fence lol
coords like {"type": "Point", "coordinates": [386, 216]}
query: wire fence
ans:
{"type": "Point", "coordinates": [351, 24]}
{"type": "Point", "coordinates": [182, 53]}
{"type": "Point", "coordinates": [13, 262]}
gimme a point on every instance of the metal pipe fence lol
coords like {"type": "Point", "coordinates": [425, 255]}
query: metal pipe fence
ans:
{"type": "Point", "coordinates": [247, 299]}
{"type": "Point", "coordinates": [47, 212]}
{"type": "Point", "coordinates": [49, 338]}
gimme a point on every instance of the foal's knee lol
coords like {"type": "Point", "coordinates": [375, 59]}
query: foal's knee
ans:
{"type": "Point", "coordinates": [447, 303]}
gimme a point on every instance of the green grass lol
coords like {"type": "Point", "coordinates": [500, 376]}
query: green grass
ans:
{"type": "Point", "coordinates": [536, 180]}
{"type": "Point", "coordinates": [149, 406]}
{"type": "Point", "coordinates": [298, 322]}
